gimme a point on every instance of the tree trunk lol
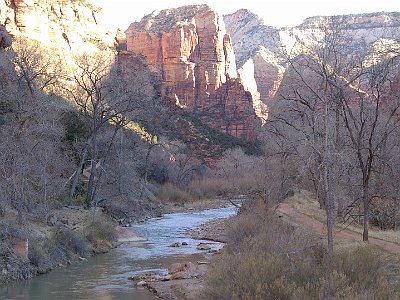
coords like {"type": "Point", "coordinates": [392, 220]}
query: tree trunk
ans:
{"type": "Point", "coordinates": [366, 212]}
{"type": "Point", "coordinates": [330, 209]}
{"type": "Point", "coordinates": [90, 191]}
{"type": "Point", "coordinates": [146, 174]}
{"type": "Point", "coordinates": [326, 164]}
{"type": "Point", "coordinates": [77, 175]}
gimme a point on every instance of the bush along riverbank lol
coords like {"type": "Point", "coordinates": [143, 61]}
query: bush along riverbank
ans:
{"type": "Point", "coordinates": [37, 245]}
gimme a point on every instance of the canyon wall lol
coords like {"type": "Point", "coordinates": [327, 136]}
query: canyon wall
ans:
{"type": "Point", "coordinates": [192, 53]}
{"type": "Point", "coordinates": [266, 48]}
{"type": "Point", "coordinates": [65, 26]}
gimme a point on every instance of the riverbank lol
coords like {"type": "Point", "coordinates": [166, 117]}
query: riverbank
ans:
{"type": "Point", "coordinates": [190, 283]}
{"type": "Point", "coordinates": [58, 237]}
{"type": "Point", "coordinates": [67, 235]}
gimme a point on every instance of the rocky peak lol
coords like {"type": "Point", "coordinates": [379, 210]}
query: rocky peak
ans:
{"type": "Point", "coordinates": [256, 46]}
{"type": "Point", "coordinates": [249, 32]}
{"type": "Point", "coordinates": [191, 51]}
{"type": "Point", "coordinates": [167, 18]}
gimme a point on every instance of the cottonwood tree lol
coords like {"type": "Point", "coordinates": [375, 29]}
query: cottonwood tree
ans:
{"type": "Point", "coordinates": [184, 163]}
{"type": "Point", "coordinates": [109, 96]}
{"type": "Point", "coordinates": [366, 105]}
{"type": "Point", "coordinates": [307, 115]}
{"type": "Point", "coordinates": [372, 122]}
{"type": "Point", "coordinates": [336, 115]}
{"type": "Point", "coordinates": [32, 161]}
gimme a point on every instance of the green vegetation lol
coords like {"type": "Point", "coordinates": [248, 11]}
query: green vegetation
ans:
{"type": "Point", "coordinates": [75, 127]}
{"type": "Point", "coordinates": [201, 136]}
{"type": "Point", "coordinates": [169, 17]}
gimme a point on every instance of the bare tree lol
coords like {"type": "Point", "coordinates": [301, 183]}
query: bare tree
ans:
{"type": "Point", "coordinates": [372, 121]}
{"type": "Point", "coordinates": [308, 115]}
{"type": "Point", "coordinates": [108, 95]}
{"type": "Point", "coordinates": [339, 111]}
{"type": "Point", "coordinates": [36, 66]}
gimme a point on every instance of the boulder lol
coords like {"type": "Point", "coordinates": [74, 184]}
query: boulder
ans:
{"type": "Point", "coordinates": [203, 246]}
{"type": "Point", "coordinates": [186, 270]}
{"type": "Point", "coordinates": [126, 235]}
{"type": "Point", "coordinates": [20, 247]}
{"type": "Point", "coordinates": [141, 283]}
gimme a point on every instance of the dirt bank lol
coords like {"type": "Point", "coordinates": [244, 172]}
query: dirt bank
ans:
{"type": "Point", "coordinates": [46, 240]}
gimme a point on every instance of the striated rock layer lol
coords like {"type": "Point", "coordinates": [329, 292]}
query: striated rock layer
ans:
{"type": "Point", "coordinates": [66, 26]}
{"type": "Point", "coordinates": [191, 51]}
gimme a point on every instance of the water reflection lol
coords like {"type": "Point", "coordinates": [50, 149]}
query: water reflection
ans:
{"type": "Point", "coordinates": [105, 276]}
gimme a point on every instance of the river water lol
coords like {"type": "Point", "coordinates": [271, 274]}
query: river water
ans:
{"type": "Point", "coordinates": [105, 277]}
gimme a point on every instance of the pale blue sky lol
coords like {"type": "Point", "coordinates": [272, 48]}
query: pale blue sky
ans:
{"type": "Point", "coordinates": [278, 13]}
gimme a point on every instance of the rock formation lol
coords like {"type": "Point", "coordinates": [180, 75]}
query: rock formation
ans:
{"type": "Point", "coordinates": [5, 38]}
{"type": "Point", "coordinates": [256, 46]}
{"type": "Point", "coordinates": [191, 51]}
{"type": "Point", "coordinates": [261, 46]}
{"type": "Point", "coordinates": [62, 25]}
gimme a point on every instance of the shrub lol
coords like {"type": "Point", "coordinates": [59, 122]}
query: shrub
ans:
{"type": "Point", "coordinates": [385, 213]}
{"type": "Point", "coordinates": [171, 193]}
{"type": "Point", "coordinates": [269, 259]}
{"type": "Point", "coordinates": [75, 128]}
{"type": "Point", "coordinates": [68, 239]}
{"type": "Point", "coordinates": [101, 233]}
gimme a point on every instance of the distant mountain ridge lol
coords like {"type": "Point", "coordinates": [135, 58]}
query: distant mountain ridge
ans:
{"type": "Point", "coordinates": [260, 46]}
{"type": "Point", "coordinates": [358, 21]}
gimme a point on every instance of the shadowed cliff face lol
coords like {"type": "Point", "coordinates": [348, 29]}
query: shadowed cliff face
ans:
{"type": "Point", "coordinates": [193, 54]}
{"type": "Point", "coordinates": [67, 26]}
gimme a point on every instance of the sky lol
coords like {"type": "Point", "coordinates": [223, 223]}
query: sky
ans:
{"type": "Point", "coordinates": [278, 13]}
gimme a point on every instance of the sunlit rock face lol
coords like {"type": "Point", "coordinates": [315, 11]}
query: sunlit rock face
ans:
{"type": "Point", "coordinates": [66, 26]}
{"type": "Point", "coordinates": [190, 49]}
{"type": "Point", "coordinates": [256, 44]}
{"type": "Point", "coordinates": [266, 48]}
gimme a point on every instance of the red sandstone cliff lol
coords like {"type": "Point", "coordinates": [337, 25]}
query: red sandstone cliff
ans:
{"type": "Point", "coordinates": [191, 51]}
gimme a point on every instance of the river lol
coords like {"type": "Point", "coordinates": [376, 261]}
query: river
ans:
{"type": "Point", "coordinates": [105, 277]}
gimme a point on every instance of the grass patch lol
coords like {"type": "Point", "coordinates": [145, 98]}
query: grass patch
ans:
{"type": "Point", "coordinates": [101, 234]}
